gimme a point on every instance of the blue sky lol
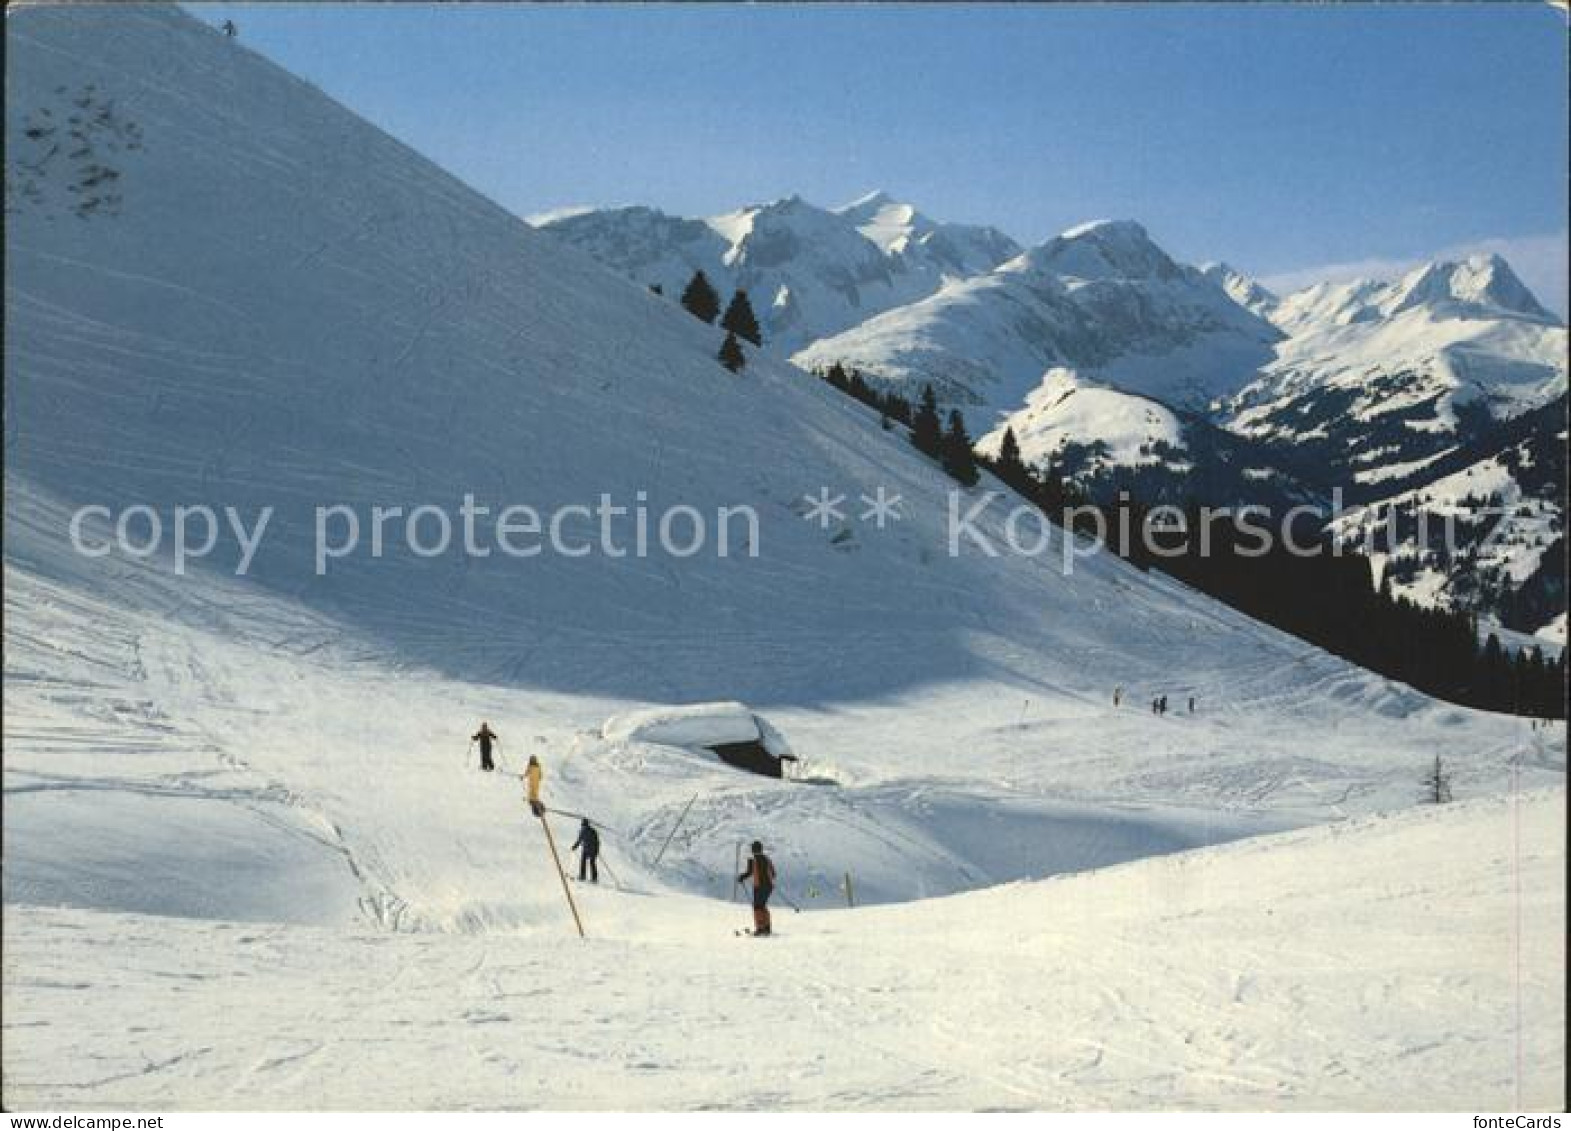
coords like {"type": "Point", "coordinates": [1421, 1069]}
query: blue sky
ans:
{"type": "Point", "coordinates": [1293, 141]}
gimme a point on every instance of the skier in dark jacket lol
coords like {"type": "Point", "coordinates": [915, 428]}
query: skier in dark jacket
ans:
{"type": "Point", "coordinates": [589, 841]}
{"type": "Point", "coordinates": [485, 736]}
{"type": "Point", "coordinates": [761, 873]}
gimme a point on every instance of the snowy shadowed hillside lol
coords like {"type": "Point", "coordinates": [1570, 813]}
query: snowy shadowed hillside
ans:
{"type": "Point", "coordinates": [237, 783]}
{"type": "Point", "coordinates": [809, 272]}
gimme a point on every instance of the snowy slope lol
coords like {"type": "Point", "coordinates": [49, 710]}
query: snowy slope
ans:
{"type": "Point", "coordinates": [1102, 299]}
{"type": "Point", "coordinates": [809, 272]}
{"type": "Point", "coordinates": [1369, 966]}
{"type": "Point", "coordinates": [1062, 411]}
{"type": "Point", "coordinates": [275, 304]}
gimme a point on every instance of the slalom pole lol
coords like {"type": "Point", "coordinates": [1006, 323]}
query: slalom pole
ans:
{"type": "Point", "coordinates": [672, 834]}
{"type": "Point", "coordinates": [561, 875]}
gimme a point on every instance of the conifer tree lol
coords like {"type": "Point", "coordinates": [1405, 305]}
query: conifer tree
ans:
{"type": "Point", "coordinates": [1010, 467]}
{"type": "Point", "coordinates": [700, 299]}
{"type": "Point", "coordinates": [731, 355]}
{"type": "Point", "coordinates": [926, 429]}
{"type": "Point", "coordinates": [958, 458]}
{"type": "Point", "coordinates": [739, 319]}
{"type": "Point", "coordinates": [1437, 783]}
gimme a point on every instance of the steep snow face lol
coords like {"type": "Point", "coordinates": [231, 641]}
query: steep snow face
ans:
{"type": "Point", "coordinates": [1242, 289]}
{"type": "Point", "coordinates": [1101, 299]}
{"type": "Point", "coordinates": [808, 271]}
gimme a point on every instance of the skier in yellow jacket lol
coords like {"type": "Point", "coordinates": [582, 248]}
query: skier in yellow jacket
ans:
{"type": "Point", "coordinates": [532, 776]}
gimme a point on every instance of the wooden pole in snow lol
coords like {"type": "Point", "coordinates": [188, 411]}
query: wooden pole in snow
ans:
{"type": "Point", "coordinates": [672, 833]}
{"type": "Point", "coordinates": [561, 875]}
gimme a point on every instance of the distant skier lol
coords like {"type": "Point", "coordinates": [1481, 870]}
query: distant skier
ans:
{"type": "Point", "coordinates": [588, 843]}
{"type": "Point", "coordinates": [1118, 695]}
{"type": "Point", "coordinates": [1156, 706]}
{"type": "Point", "coordinates": [1191, 704]}
{"type": "Point", "coordinates": [1161, 708]}
{"type": "Point", "coordinates": [230, 31]}
{"type": "Point", "coordinates": [485, 736]}
{"type": "Point", "coordinates": [532, 775]}
{"type": "Point", "coordinates": [761, 873]}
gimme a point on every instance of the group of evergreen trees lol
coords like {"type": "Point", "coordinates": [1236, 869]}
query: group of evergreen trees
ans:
{"type": "Point", "coordinates": [1326, 598]}
{"type": "Point", "coordinates": [950, 446]}
{"type": "Point", "coordinates": [702, 301]}
{"type": "Point", "coordinates": [1321, 596]}
{"type": "Point", "coordinates": [1330, 599]}
{"type": "Point", "coordinates": [889, 406]}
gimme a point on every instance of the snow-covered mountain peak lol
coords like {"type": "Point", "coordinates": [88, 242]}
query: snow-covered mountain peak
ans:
{"type": "Point", "coordinates": [1241, 288]}
{"type": "Point", "coordinates": [1479, 285]}
{"type": "Point", "coordinates": [1103, 249]}
{"type": "Point", "coordinates": [1476, 287]}
{"type": "Point", "coordinates": [811, 271]}
{"type": "Point", "coordinates": [865, 207]}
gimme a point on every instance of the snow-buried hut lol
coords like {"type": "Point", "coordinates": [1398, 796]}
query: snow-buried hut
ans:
{"type": "Point", "coordinates": [731, 731]}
